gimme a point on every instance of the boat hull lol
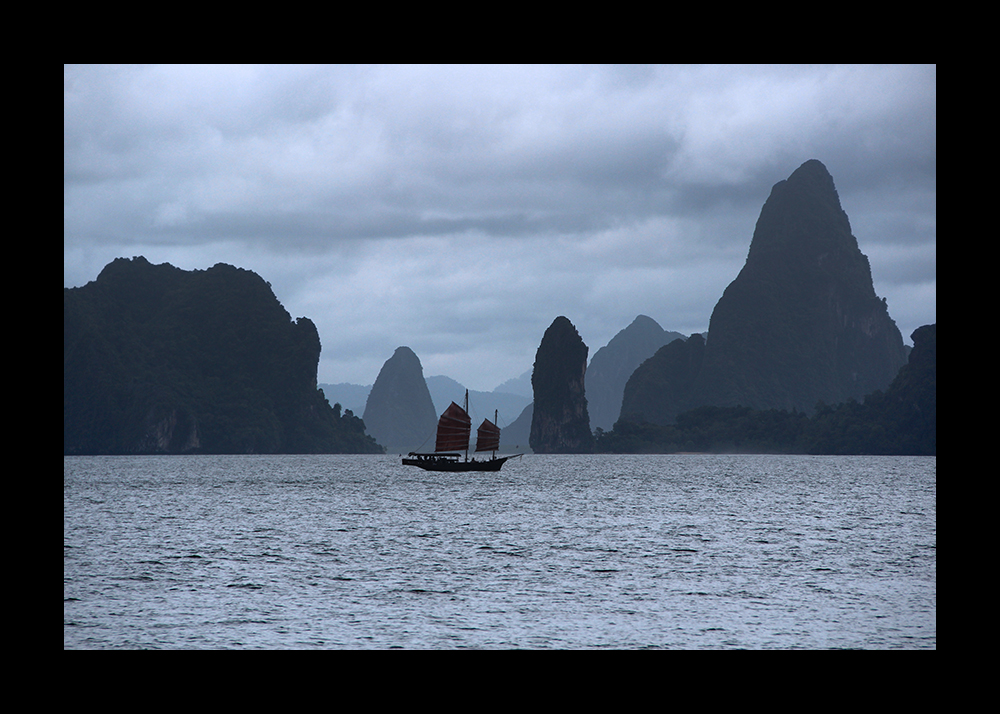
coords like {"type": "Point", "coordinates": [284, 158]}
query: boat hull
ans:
{"type": "Point", "coordinates": [432, 463]}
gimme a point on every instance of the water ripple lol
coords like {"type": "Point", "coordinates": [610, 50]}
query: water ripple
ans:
{"type": "Point", "coordinates": [572, 552]}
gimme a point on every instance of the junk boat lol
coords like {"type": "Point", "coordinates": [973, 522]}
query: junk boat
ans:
{"type": "Point", "coordinates": [453, 432]}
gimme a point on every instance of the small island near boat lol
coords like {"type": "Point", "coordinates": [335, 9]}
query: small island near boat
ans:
{"type": "Point", "coordinates": [453, 432]}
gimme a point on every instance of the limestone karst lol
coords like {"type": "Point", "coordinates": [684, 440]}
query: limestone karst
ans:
{"type": "Point", "coordinates": [399, 412]}
{"type": "Point", "coordinates": [559, 423]}
{"type": "Point", "coordinates": [159, 360]}
{"type": "Point", "coordinates": [800, 324]}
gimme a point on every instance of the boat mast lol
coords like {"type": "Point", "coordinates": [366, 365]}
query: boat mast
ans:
{"type": "Point", "coordinates": [467, 411]}
{"type": "Point", "coordinates": [495, 413]}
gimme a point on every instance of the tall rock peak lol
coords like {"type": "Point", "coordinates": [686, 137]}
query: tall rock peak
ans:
{"type": "Point", "coordinates": [801, 323]}
{"type": "Point", "coordinates": [560, 423]}
{"type": "Point", "coordinates": [802, 216]}
{"type": "Point", "coordinates": [400, 413]}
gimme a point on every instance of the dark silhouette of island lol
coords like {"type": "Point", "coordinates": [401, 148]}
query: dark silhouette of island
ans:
{"type": "Point", "coordinates": [158, 360]}
{"type": "Point", "coordinates": [801, 356]}
{"type": "Point", "coordinates": [559, 422]}
{"type": "Point", "coordinates": [799, 325]}
{"type": "Point", "coordinates": [663, 382]}
{"type": "Point", "coordinates": [605, 379]}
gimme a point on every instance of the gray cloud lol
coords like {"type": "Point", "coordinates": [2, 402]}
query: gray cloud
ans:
{"type": "Point", "coordinates": [459, 209]}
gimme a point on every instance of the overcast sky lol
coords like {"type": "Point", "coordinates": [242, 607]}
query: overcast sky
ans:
{"type": "Point", "coordinates": [458, 210]}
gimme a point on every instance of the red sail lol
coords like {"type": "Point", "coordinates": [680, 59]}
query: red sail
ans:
{"type": "Point", "coordinates": [454, 427]}
{"type": "Point", "coordinates": [487, 436]}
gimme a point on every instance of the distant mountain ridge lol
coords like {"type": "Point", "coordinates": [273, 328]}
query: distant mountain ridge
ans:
{"type": "Point", "coordinates": [443, 390]}
{"type": "Point", "coordinates": [518, 385]}
{"type": "Point", "coordinates": [482, 405]}
{"type": "Point", "coordinates": [516, 437]}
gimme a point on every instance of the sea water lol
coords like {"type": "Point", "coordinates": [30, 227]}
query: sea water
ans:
{"type": "Point", "coordinates": [553, 552]}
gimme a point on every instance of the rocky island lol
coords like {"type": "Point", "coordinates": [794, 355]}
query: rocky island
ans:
{"type": "Point", "coordinates": [159, 360]}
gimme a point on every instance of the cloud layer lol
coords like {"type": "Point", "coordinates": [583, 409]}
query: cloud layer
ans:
{"type": "Point", "coordinates": [458, 210]}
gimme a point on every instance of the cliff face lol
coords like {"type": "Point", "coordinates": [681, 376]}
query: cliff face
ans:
{"type": "Point", "coordinates": [560, 423]}
{"type": "Point", "coordinates": [801, 322]}
{"type": "Point", "coordinates": [613, 364]}
{"type": "Point", "coordinates": [400, 413]}
{"type": "Point", "coordinates": [161, 360]}
{"type": "Point", "coordinates": [910, 402]}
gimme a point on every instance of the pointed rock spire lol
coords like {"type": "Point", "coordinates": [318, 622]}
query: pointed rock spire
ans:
{"type": "Point", "coordinates": [559, 422]}
{"type": "Point", "coordinates": [801, 322]}
{"type": "Point", "coordinates": [399, 413]}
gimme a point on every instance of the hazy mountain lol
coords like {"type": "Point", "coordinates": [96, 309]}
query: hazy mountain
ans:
{"type": "Point", "coordinates": [159, 360]}
{"type": "Point", "coordinates": [515, 438]}
{"type": "Point", "coordinates": [559, 422]}
{"type": "Point", "coordinates": [613, 364]}
{"type": "Point", "coordinates": [445, 390]}
{"type": "Point", "coordinates": [400, 413]}
{"type": "Point", "coordinates": [519, 385]}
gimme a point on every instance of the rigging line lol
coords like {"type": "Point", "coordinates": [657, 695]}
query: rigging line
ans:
{"type": "Point", "coordinates": [424, 443]}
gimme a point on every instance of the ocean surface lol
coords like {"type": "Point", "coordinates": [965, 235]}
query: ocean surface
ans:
{"type": "Point", "coordinates": [554, 552]}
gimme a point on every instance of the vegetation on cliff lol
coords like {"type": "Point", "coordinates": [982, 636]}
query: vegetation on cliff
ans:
{"type": "Point", "coordinates": [162, 360]}
{"type": "Point", "coordinates": [901, 420]}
